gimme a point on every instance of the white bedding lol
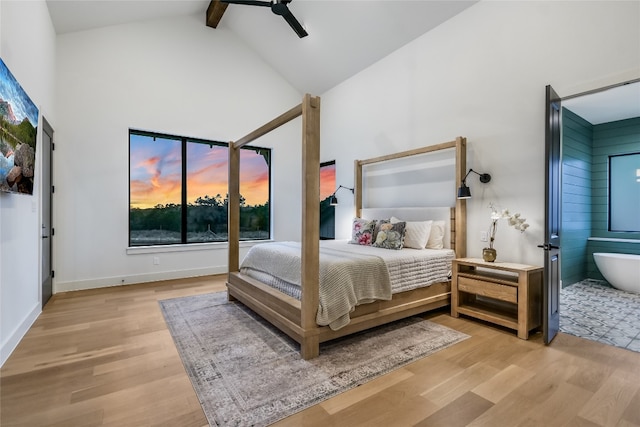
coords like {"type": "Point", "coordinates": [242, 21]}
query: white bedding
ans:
{"type": "Point", "coordinates": [407, 269]}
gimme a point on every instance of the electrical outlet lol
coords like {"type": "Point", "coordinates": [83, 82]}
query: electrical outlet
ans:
{"type": "Point", "coordinates": [483, 236]}
{"type": "Point", "coordinates": [156, 260]}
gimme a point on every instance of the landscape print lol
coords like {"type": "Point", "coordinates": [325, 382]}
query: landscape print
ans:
{"type": "Point", "coordinates": [18, 129]}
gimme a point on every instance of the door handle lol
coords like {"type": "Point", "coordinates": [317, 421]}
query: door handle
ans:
{"type": "Point", "coordinates": [548, 247]}
{"type": "Point", "coordinates": [45, 237]}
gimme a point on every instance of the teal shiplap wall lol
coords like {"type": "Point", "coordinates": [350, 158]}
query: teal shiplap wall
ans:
{"type": "Point", "coordinates": [620, 137]}
{"type": "Point", "coordinates": [577, 154]}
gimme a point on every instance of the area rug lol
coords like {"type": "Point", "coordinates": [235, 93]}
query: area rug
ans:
{"type": "Point", "coordinates": [248, 373]}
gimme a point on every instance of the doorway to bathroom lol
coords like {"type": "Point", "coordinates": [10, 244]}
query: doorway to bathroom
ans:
{"type": "Point", "coordinates": [597, 126]}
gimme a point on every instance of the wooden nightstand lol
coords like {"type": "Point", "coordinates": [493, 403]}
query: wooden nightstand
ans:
{"type": "Point", "coordinates": [506, 294]}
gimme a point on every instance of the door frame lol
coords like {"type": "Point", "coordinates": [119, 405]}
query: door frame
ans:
{"type": "Point", "coordinates": [547, 282]}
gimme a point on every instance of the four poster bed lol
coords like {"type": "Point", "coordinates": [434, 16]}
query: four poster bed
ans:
{"type": "Point", "coordinates": [298, 314]}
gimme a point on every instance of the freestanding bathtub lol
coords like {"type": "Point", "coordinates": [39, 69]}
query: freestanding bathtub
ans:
{"type": "Point", "coordinates": [622, 271]}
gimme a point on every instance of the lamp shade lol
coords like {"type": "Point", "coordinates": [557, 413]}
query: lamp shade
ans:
{"type": "Point", "coordinates": [464, 192]}
{"type": "Point", "coordinates": [333, 200]}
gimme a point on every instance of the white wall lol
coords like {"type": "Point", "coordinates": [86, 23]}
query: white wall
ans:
{"type": "Point", "coordinates": [482, 75]}
{"type": "Point", "coordinates": [174, 76]}
{"type": "Point", "coordinates": [27, 47]}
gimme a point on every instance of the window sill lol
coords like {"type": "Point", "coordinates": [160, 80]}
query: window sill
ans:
{"type": "Point", "coordinates": [136, 250]}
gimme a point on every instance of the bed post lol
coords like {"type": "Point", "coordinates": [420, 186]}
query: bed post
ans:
{"type": "Point", "coordinates": [233, 213]}
{"type": "Point", "coordinates": [461, 204]}
{"type": "Point", "coordinates": [310, 345]}
{"type": "Point", "coordinates": [357, 185]}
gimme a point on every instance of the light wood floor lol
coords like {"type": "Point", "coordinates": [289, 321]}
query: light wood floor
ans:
{"type": "Point", "coordinates": [105, 357]}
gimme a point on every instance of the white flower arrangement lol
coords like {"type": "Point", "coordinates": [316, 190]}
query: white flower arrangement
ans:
{"type": "Point", "coordinates": [514, 220]}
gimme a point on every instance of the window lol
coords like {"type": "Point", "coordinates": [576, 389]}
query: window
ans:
{"type": "Point", "coordinates": [624, 192]}
{"type": "Point", "coordinates": [327, 212]}
{"type": "Point", "coordinates": [178, 190]}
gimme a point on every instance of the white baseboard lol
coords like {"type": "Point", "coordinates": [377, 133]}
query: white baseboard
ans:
{"type": "Point", "coordinates": [105, 282]}
{"type": "Point", "coordinates": [14, 339]}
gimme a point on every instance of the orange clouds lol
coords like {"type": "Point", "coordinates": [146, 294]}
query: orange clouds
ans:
{"type": "Point", "coordinates": [327, 181]}
{"type": "Point", "coordinates": [256, 189]}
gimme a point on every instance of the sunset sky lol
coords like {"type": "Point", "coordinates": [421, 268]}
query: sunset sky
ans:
{"type": "Point", "coordinates": [327, 181]}
{"type": "Point", "coordinates": [156, 173]}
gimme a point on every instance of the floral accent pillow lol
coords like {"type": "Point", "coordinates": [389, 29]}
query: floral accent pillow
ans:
{"type": "Point", "coordinates": [362, 231]}
{"type": "Point", "coordinates": [390, 236]}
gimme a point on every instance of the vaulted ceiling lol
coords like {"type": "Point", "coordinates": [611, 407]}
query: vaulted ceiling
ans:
{"type": "Point", "coordinates": [344, 38]}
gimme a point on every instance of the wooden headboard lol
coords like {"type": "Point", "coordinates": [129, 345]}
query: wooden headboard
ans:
{"type": "Point", "coordinates": [456, 216]}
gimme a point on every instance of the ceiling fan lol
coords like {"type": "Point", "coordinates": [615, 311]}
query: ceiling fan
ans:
{"type": "Point", "coordinates": [279, 7]}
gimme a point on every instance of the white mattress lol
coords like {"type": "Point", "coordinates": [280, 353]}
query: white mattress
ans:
{"type": "Point", "coordinates": [408, 268]}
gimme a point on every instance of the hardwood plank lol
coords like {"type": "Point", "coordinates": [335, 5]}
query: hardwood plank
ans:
{"type": "Point", "coordinates": [581, 422]}
{"type": "Point", "coordinates": [503, 383]}
{"type": "Point", "coordinates": [460, 412]}
{"type": "Point", "coordinates": [359, 394]}
{"type": "Point", "coordinates": [632, 414]}
{"type": "Point", "coordinates": [409, 411]}
{"type": "Point", "coordinates": [512, 407]}
{"type": "Point", "coordinates": [105, 357]}
{"type": "Point", "coordinates": [559, 407]}
{"type": "Point", "coordinates": [611, 400]}
{"type": "Point", "coordinates": [459, 384]}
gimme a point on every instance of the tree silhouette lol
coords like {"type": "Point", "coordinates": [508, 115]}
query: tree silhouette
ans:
{"type": "Point", "coordinates": [206, 219]}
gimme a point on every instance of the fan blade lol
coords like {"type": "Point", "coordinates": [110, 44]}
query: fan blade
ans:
{"type": "Point", "coordinates": [293, 22]}
{"type": "Point", "coordinates": [248, 2]}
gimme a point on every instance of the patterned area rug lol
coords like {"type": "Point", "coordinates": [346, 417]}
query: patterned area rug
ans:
{"type": "Point", "coordinates": [247, 373]}
{"type": "Point", "coordinates": [594, 310]}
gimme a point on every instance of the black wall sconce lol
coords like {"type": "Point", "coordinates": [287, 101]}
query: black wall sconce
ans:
{"type": "Point", "coordinates": [334, 200]}
{"type": "Point", "coordinates": [463, 191]}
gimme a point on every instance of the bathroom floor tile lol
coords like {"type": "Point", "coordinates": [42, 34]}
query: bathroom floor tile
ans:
{"type": "Point", "coordinates": [634, 345]}
{"type": "Point", "coordinates": [594, 310]}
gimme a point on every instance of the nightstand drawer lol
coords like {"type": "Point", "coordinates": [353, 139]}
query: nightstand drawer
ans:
{"type": "Point", "coordinates": [488, 289]}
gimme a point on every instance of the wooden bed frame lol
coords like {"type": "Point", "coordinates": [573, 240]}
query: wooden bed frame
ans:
{"type": "Point", "coordinates": [297, 318]}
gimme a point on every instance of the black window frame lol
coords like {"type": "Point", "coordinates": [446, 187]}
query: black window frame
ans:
{"type": "Point", "coordinates": [183, 202]}
{"type": "Point", "coordinates": [609, 183]}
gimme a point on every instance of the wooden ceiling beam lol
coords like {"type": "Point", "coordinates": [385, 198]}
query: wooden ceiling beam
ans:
{"type": "Point", "coordinates": [214, 12]}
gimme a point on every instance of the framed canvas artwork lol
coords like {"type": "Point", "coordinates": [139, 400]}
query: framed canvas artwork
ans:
{"type": "Point", "coordinates": [18, 131]}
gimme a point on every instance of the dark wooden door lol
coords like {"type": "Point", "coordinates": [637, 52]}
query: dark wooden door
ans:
{"type": "Point", "coordinates": [47, 232]}
{"type": "Point", "coordinates": [551, 246]}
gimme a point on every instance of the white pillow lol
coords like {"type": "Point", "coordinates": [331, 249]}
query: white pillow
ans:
{"type": "Point", "coordinates": [416, 233]}
{"type": "Point", "coordinates": [436, 237]}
